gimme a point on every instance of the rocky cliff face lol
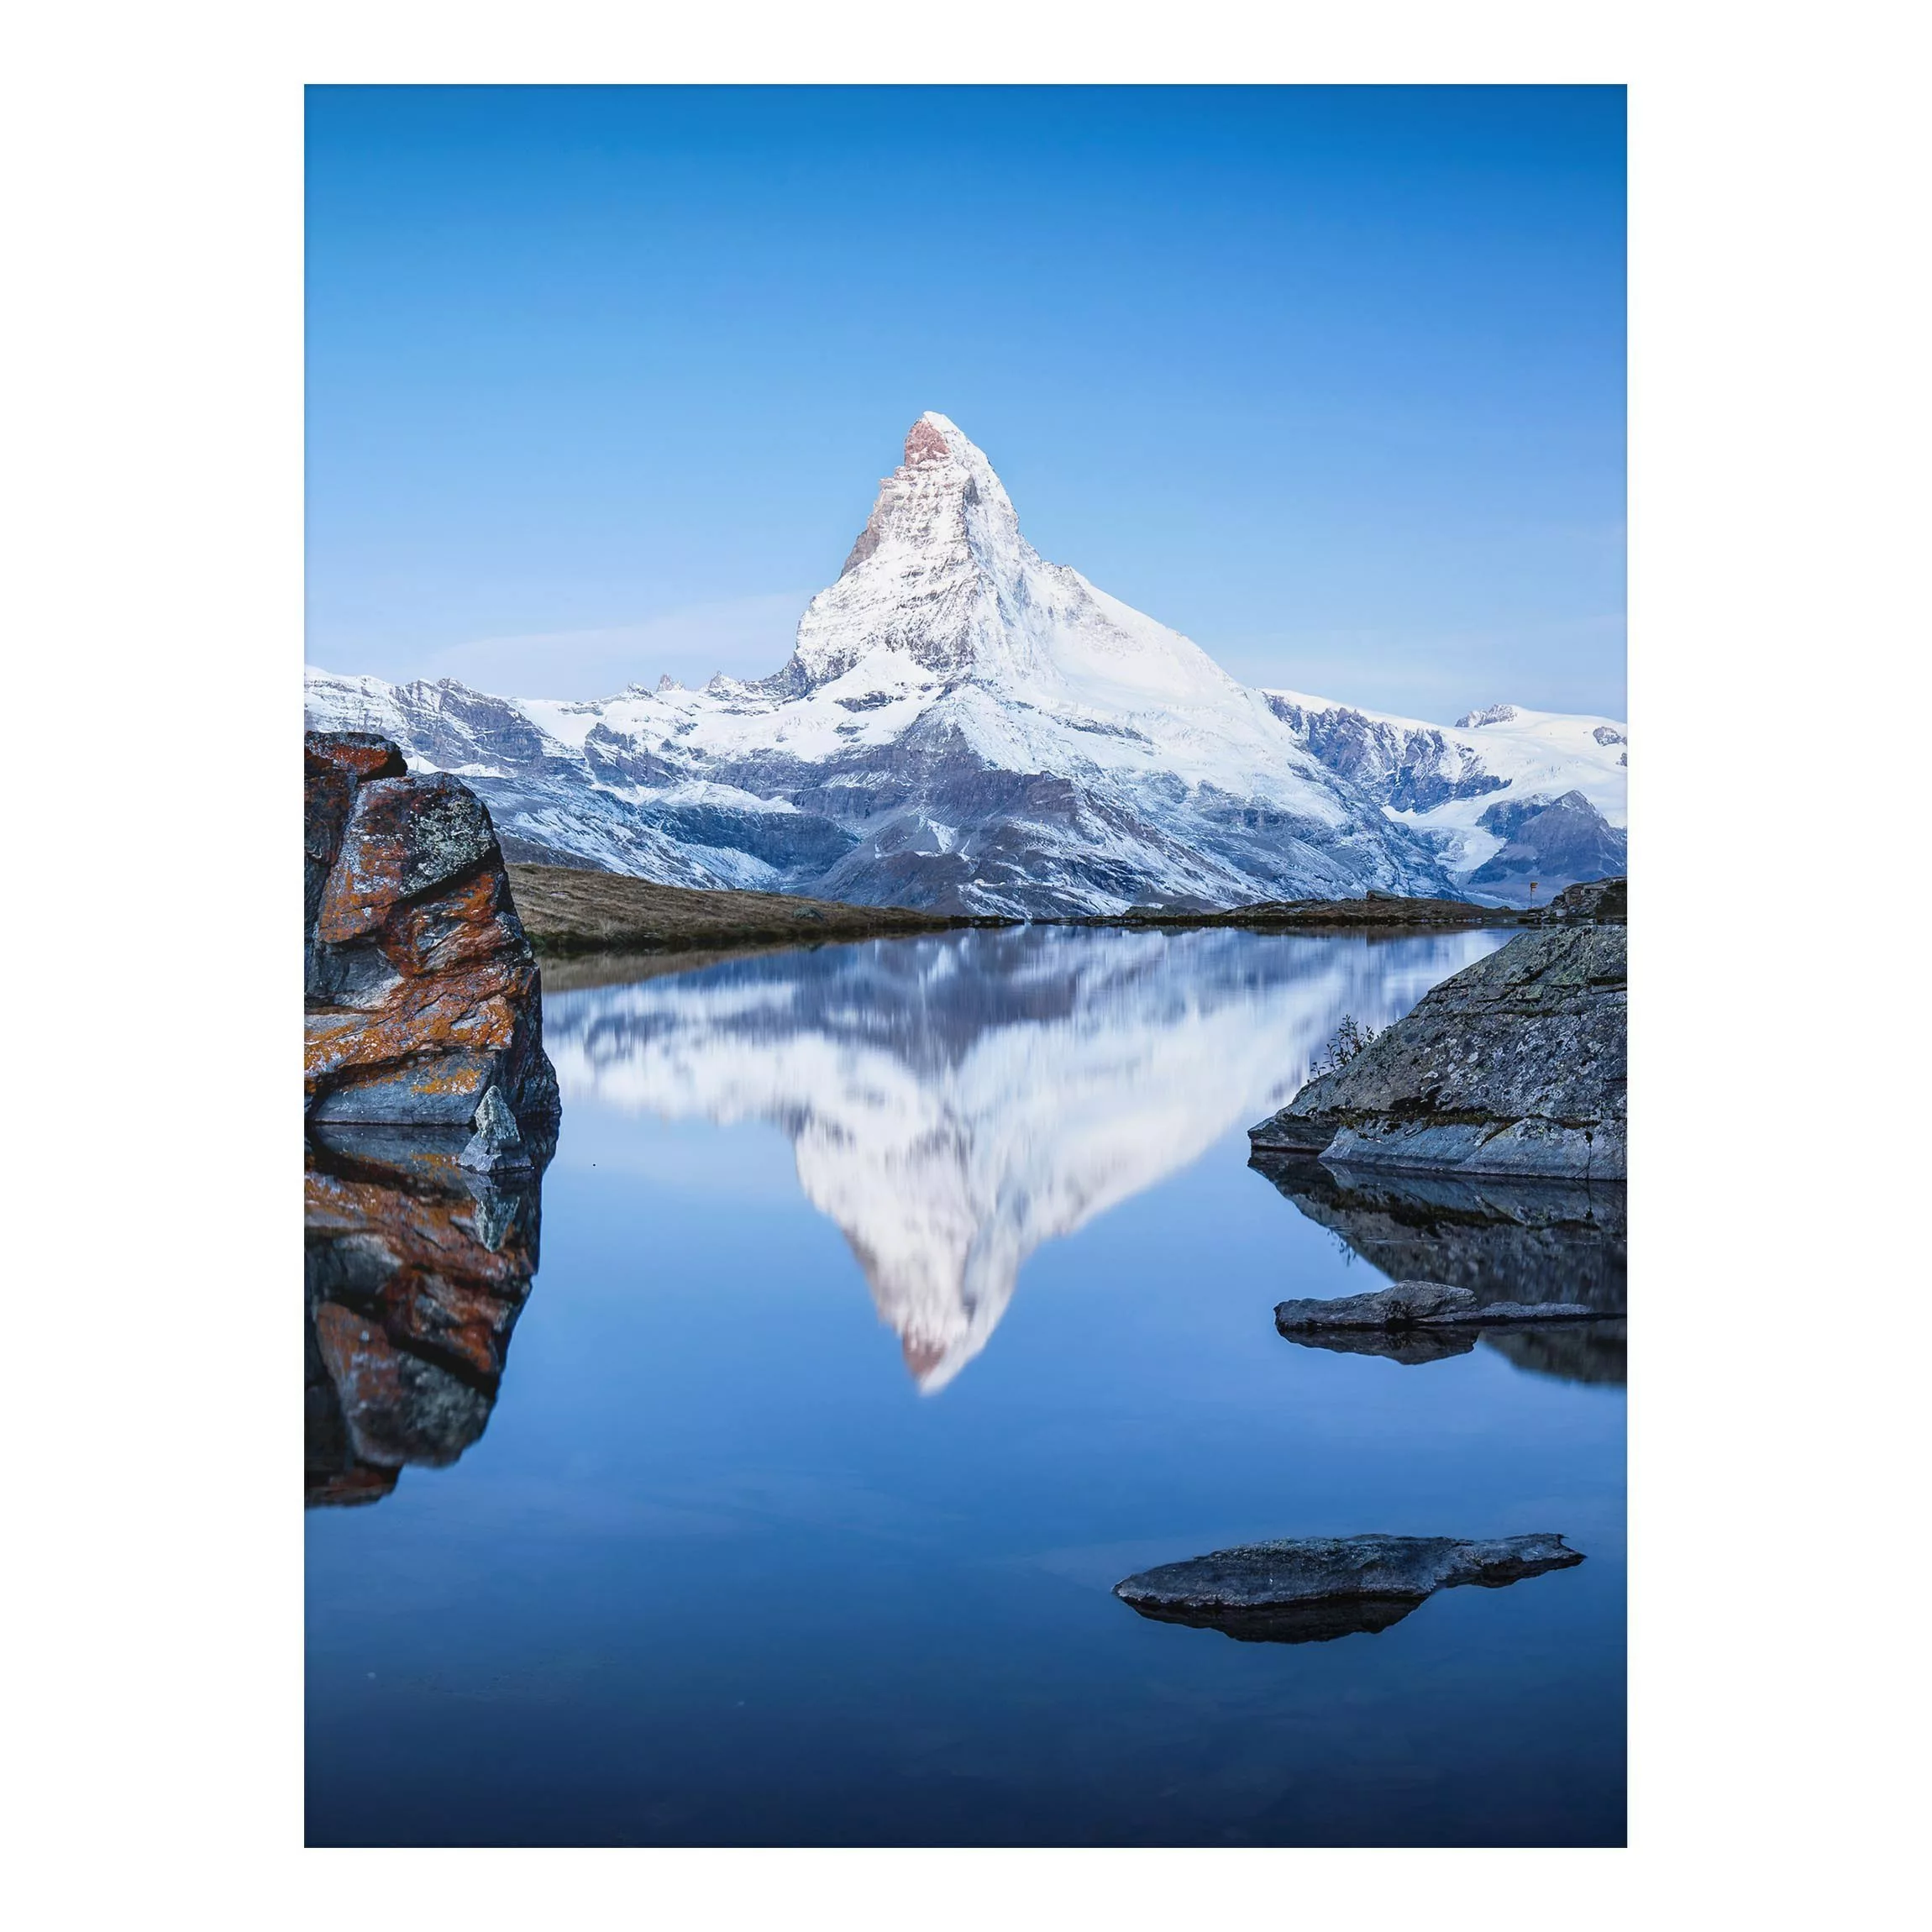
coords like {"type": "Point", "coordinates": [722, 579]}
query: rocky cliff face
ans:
{"type": "Point", "coordinates": [1514, 1067]}
{"type": "Point", "coordinates": [422, 992]}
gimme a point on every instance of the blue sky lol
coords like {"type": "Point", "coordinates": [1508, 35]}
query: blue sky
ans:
{"type": "Point", "coordinates": [601, 380]}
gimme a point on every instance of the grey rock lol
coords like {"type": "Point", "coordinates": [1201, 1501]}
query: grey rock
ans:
{"type": "Point", "coordinates": [1402, 1305]}
{"type": "Point", "coordinates": [1312, 1589]}
{"type": "Point", "coordinates": [1553, 841]}
{"type": "Point", "coordinates": [1513, 1067]}
{"type": "Point", "coordinates": [498, 1142]}
{"type": "Point", "coordinates": [437, 1091]}
{"type": "Point", "coordinates": [1418, 1305]}
{"type": "Point", "coordinates": [1592, 902]}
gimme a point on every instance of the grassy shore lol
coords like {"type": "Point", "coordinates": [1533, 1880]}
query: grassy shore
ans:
{"type": "Point", "coordinates": [1275, 915]}
{"type": "Point", "coordinates": [568, 912]}
{"type": "Point", "coordinates": [594, 926]}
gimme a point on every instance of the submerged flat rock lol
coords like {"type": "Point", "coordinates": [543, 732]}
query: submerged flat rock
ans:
{"type": "Point", "coordinates": [1409, 1304]}
{"type": "Point", "coordinates": [1514, 1067]}
{"type": "Point", "coordinates": [1312, 1589]}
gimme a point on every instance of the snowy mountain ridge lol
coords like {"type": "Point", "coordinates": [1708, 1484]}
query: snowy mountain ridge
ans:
{"type": "Point", "coordinates": [962, 725]}
{"type": "Point", "coordinates": [1480, 790]}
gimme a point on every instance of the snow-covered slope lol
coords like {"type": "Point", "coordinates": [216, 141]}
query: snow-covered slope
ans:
{"type": "Point", "coordinates": [956, 1102]}
{"type": "Point", "coordinates": [1505, 796]}
{"type": "Point", "coordinates": [962, 725]}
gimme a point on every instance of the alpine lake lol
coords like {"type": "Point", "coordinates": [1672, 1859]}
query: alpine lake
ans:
{"type": "Point", "coordinates": [881, 1307]}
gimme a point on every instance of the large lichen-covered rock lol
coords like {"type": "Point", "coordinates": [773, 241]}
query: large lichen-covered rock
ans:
{"type": "Point", "coordinates": [422, 990]}
{"type": "Point", "coordinates": [1515, 1067]}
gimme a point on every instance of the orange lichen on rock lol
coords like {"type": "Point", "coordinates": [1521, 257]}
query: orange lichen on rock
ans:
{"type": "Point", "coordinates": [421, 988]}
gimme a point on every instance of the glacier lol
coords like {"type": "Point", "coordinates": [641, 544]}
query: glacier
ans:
{"type": "Point", "coordinates": [966, 726]}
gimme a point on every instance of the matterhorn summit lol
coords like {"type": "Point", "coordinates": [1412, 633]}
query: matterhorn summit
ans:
{"type": "Point", "coordinates": [962, 725]}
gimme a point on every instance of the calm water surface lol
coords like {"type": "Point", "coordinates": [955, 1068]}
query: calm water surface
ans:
{"type": "Point", "coordinates": [896, 1301]}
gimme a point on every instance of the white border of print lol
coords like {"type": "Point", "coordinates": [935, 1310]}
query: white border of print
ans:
{"type": "Point", "coordinates": [154, 610]}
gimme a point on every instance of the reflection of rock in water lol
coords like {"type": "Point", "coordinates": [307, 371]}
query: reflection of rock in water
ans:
{"type": "Point", "coordinates": [1578, 1351]}
{"type": "Point", "coordinates": [955, 1102]}
{"type": "Point", "coordinates": [1293, 1623]}
{"type": "Point", "coordinates": [417, 1270]}
{"type": "Point", "coordinates": [1593, 1352]}
{"type": "Point", "coordinates": [1506, 1241]}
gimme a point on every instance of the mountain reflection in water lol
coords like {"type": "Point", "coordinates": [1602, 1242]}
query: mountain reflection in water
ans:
{"type": "Point", "coordinates": [955, 1102]}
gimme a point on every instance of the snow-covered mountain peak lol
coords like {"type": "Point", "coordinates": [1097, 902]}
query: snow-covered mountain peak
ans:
{"type": "Point", "coordinates": [939, 557]}
{"type": "Point", "coordinates": [964, 725]}
{"type": "Point", "coordinates": [942, 582]}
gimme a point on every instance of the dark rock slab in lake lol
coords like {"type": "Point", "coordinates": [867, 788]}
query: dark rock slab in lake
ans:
{"type": "Point", "coordinates": [1514, 1067]}
{"type": "Point", "coordinates": [1413, 1322]}
{"type": "Point", "coordinates": [1314, 1589]}
{"type": "Point", "coordinates": [1409, 1305]}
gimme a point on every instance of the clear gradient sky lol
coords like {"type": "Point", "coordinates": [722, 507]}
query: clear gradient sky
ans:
{"type": "Point", "coordinates": [601, 380]}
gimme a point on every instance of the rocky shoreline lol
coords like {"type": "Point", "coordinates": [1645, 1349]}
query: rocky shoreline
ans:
{"type": "Point", "coordinates": [578, 914]}
{"type": "Point", "coordinates": [1375, 909]}
{"type": "Point", "coordinates": [1514, 1067]}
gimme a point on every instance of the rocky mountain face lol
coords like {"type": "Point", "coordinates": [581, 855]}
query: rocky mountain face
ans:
{"type": "Point", "coordinates": [966, 726]}
{"type": "Point", "coordinates": [1506, 799]}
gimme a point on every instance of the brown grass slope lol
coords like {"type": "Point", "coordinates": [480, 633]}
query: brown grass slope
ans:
{"type": "Point", "coordinates": [567, 911]}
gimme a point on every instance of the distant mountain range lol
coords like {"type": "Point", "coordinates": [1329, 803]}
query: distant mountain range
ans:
{"type": "Point", "coordinates": [964, 726]}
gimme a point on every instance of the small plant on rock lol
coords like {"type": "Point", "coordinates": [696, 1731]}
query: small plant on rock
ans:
{"type": "Point", "coordinates": [1350, 1039]}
